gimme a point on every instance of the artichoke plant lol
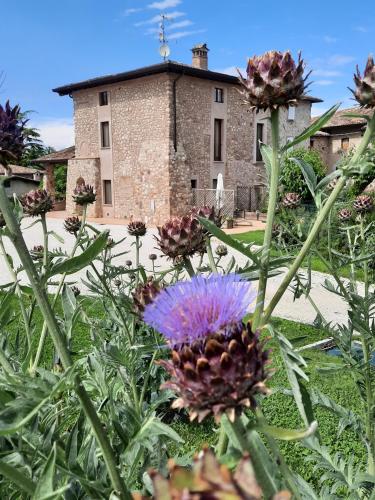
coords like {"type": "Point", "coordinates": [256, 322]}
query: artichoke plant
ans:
{"type": "Point", "coordinates": [145, 294]}
{"type": "Point", "coordinates": [363, 203]}
{"type": "Point", "coordinates": [72, 225]}
{"type": "Point", "coordinates": [344, 215]}
{"type": "Point", "coordinates": [37, 202]}
{"type": "Point", "coordinates": [137, 228]}
{"type": "Point", "coordinates": [84, 194]}
{"type": "Point", "coordinates": [12, 134]}
{"type": "Point", "coordinates": [364, 92]}
{"type": "Point", "coordinates": [181, 237]}
{"type": "Point", "coordinates": [208, 480]}
{"type": "Point", "coordinates": [291, 200]}
{"type": "Point", "coordinates": [273, 80]}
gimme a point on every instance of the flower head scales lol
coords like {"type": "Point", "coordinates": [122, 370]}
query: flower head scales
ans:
{"type": "Point", "coordinates": [191, 310]}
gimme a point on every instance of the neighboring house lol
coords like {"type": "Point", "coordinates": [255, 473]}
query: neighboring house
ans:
{"type": "Point", "coordinates": [147, 138]}
{"type": "Point", "coordinates": [339, 135]}
{"type": "Point", "coordinates": [21, 180]}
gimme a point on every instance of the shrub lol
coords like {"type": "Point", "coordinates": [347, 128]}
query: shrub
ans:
{"type": "Point", "coordinates": [291, 178]}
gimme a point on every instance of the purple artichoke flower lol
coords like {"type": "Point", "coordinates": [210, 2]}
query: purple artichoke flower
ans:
{"type": "Point", "coordinates": [190, 310]}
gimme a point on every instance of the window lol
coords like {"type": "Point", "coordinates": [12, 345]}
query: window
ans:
{"type": "Point", "coordinates": [291, 113]}
{"type": "Point", "coordinates": [103, 98]}
{"type": "Point", "coordinates": [193, 183]}
{"type": "Point", "coordinates": [218, 139]}
{"type": "Point", "coordinates": [312, 143]}
{"type": "Point", "coordinates": [214, 183]}
{"type": "Point", "coordinates": [345, 143]}
{"type": "Point", "coordinates": [107, 190]}
{"type": "Point", "coordinates": [219, 95]}
{"type": "Point", "coordinates": [104, 134]}
{"type": "Point", "coordinates": [259, 139]}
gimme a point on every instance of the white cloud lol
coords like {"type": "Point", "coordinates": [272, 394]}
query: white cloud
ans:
{"type": "Point", "coordinates": [325, 72]}
{"type": "Point", "coordinates": [340, 60]}
{"type": "Point", "coordinates": [130, 11]}
{"type": "Point", "coordinates": [329, 39]}
{"type": "Point", "coordinates": [164, 4]}
{"type": "Point", "coordinates": [181, 34]}
{"type": "Point", "coordinates": [180, 24]}
{"type": "Point", "coordinates": [56, 132]}
{"type": "Point", "coordinates": [324, 82]}
{"type": "Point", "coordinates": [157, 18]}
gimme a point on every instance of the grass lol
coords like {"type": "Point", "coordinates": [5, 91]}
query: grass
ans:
{"type": "Point", "coordinates": [279, 409]}
{"type": "Point", "coordinates": [256, 238]}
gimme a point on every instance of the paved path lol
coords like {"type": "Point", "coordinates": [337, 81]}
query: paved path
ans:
{"type": "Point", "coordinates": [331, 306]}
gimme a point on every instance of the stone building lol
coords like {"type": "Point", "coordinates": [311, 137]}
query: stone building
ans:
{"type": "Point", "coordinates": [339, 135]}
{"type": "Point", "coordinates": [146, 139]}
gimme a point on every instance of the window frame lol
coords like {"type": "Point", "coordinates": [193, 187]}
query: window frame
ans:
{"type": "Point", "coordinates": [219, 95]}
{"type": "Point", "coordinates": [259, 137]}
{"type": "Point", "coordinates": [218, 139]}
{"type": "Point", "coordinates": [103, 102]}
{"type": "Point", "coordinates": [105, 200]}
{"type": "Point", "coordinates": [104, 136]}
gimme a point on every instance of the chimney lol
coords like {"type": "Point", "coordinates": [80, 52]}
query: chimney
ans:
{"type": "Point", "coordinates": [200, 56]}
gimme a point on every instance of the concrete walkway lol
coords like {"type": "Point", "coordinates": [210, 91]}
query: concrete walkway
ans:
{"type": "Point", "coordinates": [330, 305]}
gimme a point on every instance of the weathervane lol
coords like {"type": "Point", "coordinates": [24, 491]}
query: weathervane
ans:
{"type": "Point", "coordinates": [164, 49]}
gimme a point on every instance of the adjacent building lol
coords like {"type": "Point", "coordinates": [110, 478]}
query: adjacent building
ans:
{"type": "Point", "coordinates": [342, 133]}
{"type": "Point", "coordinates": [148, 139]}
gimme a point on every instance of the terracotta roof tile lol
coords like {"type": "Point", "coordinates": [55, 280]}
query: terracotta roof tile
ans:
{"type": "Point", "coordinates": [61, 156]}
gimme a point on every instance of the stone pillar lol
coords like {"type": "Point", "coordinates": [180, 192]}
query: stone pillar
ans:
{"type": "Point", "coordinates": [49, 179]}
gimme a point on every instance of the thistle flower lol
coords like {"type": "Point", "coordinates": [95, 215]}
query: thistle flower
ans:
{"type": "Point", "coordinates": [364, 92]}
{"type": "Point", "coordinates": [76, 291]}
{"type": "Point", "coordinates": [72, 225]}
{"type": "Point", "coordinates": [37, 202]}
{"type": "Point", "coordinates": [145, 294]}
{"type": "Point", "coordinates": [137, 228]}
{"type": "Point", "coordinates": [84, 194]}
{"type": "Point", "coordinates": [218, 365]}
{"type": "Point", "coordinates": [128, 263]}
{"type": "Point", "coordinates": [221, 250]}
{"type": "Point", "coordinates": [344, 214]}
{"type": "Point", "coordinates": [181, 237]}
{"type": "Point", "coordinates": [153, 256]}
{"type": "Point", "coordinates": [291, 200]}
{"type": "Point", "coordinates": [363, 203]}
{"type": "Point", "coordinates": [209, 480]}
{"type": "Point", "coordinates": [273, 80]}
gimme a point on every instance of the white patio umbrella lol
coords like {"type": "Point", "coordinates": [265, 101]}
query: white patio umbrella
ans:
{"type": "Point", "coordinates": [220, 192]}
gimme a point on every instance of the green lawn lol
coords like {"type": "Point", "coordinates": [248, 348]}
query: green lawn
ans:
{"type": "Point", "coordinates": [256, 237]}
{"type": "Point", "coordinates": [279, 409]}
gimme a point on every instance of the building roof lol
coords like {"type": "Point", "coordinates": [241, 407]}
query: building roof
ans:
{"type": "Point", "coordinates": [19, 170]}
{"type": "Point", "coordinates": [340, 120]}
{"type": "Point", "coordinates": [164, 67]}
{"type": "Point", "coordinates": [56, 157]}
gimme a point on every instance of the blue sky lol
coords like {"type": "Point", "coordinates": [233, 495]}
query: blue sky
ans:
{"type": "Point", "coordinates": [48, 43]}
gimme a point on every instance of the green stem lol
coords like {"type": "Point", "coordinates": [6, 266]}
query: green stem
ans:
{"type": "Point", "coordinates": [322, 216]}
{"type": "Point", "coordinates": [147, 378]}
{"type": "Point", "coordinates": [272, 201]}
{"type": "Point", "coordinates": [189, 267]}
{"type": "Point", "coordinates": [18, 293]}
{"type": "Point", "coordinates": [5, 363]}
{"type": "Point", "coordinates": [14, 475]}
{"type": "Point", "coordinates": [353, 281]}
{"type": "Point", "coordinates": [44, 332]}
{"type": "Point", "coordinates": [268, 485]}
{"type": "Point", "coordinates": [45, 242]}
{"type": "Point", "coordinates": [15, 235]}
{"type": "Point", "coordinates": [211, 256]}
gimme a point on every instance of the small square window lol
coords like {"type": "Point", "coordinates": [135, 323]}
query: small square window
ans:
{"type": "Point", "coordinates": [107, 191]}
{"type": "Point", "coordinates": [193, 183]}
{"type": "Point", "coordinates": [214, 183]}
{"type": "Point", "coordinates": [345, 143]}
{"type": "Point", "coordinates": [291, 113]}
{"type": "Point", "coordinates": [103, 98]}
{"type": "Point", "coordinates": [219, 95]}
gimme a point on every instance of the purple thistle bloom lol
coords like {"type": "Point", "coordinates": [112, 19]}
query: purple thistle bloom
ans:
{"type": "Point", "coordinates": [190, 310]}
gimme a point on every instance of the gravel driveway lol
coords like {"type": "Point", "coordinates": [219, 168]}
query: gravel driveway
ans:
{"type": "Point", "coordinates": [330, 305]}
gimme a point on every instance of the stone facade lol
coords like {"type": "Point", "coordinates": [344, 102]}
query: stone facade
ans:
{"type": "Point", "coordinates": [161, 130]}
